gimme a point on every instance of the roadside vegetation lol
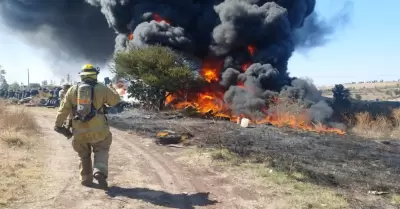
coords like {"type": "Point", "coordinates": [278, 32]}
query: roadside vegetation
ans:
{"type": "Point", "coordinates": [155, 73]}
{"type": "Point", "coordinates": [20, 170]}
{"type": "Point", "coordinates": [378, 127]}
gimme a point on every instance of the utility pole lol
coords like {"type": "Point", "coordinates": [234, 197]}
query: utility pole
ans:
{"type": "Point", "coordinates": [28, 77]}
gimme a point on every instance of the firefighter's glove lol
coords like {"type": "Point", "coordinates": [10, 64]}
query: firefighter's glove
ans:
{"type": "Point", "coordinates": [64, 131]}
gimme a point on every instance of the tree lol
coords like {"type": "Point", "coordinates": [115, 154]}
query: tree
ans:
{"type": "Point", "coordinates": [4, 85]}
{"type": "Point", "coordinates": [341, 95]}
{"type": "Point", "coordinates": [358, 97]}
{"type": "Point", "coordinates": [62, 81]}
{"type": "Point", "coordinates": [14, 86]}
{"type": "Point", "coordinates": [2, 73]}
{"type": "Point", "coordinates": [155, 72]}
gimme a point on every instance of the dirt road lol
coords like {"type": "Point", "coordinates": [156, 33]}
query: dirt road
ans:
{"type": "Point", "coordinates": [142, 175]}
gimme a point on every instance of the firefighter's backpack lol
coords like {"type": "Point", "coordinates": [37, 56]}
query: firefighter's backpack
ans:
{"type": "Point", "coordinates": [85, 109]}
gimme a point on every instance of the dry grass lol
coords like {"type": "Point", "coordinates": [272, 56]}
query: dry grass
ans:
{"type": "Point", "coordinates": [19, 167]}
{"type": "Point", "coordinates": [395, 199]}
{"type": "Point", "coordinates": [291, 188]}
{"type": "Point", "coordinates": [379, 127]}
{"type": "Point", "coordinates": [16, 124]}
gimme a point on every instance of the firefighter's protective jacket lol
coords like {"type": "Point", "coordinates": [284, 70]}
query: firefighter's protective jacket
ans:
{"type": "Point", "coordinates": [97, 128]}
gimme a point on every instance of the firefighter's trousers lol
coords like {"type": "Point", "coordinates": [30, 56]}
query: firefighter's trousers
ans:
{"type": "Point", "coordinates": [101, 154]}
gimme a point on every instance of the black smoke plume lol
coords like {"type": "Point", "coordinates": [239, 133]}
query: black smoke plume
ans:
{"type": "Point", "coordinates": [68, 28]}
{"type": "Point", "coordinates": [199, 28]}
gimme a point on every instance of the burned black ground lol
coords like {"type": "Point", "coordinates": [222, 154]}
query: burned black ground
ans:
{"type": "Point", "coordinates": [350, 164]}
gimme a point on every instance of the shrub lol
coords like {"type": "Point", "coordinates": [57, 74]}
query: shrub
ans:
{"type": "Point", "coordinates": [341, 102]}
{"type": "Point", "coordinates": [341, 95]}
{"type": "Point", "coordinates": [155, 72]}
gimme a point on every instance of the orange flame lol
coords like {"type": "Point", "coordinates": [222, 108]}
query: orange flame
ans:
{"type": "Point", "coordinates": [158, 18]}
{"type": "Point", "coordinates": [130, 37]}
{"type": "Point", "coordinates": [251, 49]}
{"type": "Point", "coordinates": [245, 66]}
{"type": "Point", "coordinates": [207, 102]}
{"type": "Point", "coordinates": [211, 70]}
{"type": "Point", "coordinates": [211, 101]}
{"type": "Point", "coordinates": [170, 98]}
{"type": "Point", "coordinates": [301, 121]}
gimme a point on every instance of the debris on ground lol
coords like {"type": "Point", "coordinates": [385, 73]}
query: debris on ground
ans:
{"type": "Point", "coordinates": [191, 111]}
{"type": "Point", "coordinates": [377, 192]}
{"type": "Point", "coordinates": [166, 137]}
{"type": "Point", "coordinates": [25, 100]}
{"type": "Point", "coordinates": [172, 115]}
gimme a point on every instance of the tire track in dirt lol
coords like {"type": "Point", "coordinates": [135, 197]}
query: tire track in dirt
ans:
{"type": "Point", "coordinates": [187, 182]}
{"type": "Point", "coordinates": [139, 176]}
{"type": "Point", "coordinates": [59, 161]}
{"type": "Point", "coordinates": [170, 175]}
{"type": "Point", "coordinates": [171, 182]}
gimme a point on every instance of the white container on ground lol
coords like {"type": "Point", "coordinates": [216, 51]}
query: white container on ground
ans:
{"type": "Point", "coordinates": [244, 122]}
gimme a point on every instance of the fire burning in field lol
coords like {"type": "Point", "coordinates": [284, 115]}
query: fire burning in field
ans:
{"type": "Point", "coordinates": [245, 46]}
{"type": "Point", "coordinates": [210, 102]}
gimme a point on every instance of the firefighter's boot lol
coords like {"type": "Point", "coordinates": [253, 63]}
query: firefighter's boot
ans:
{"type": "Point", "coordinates": [101, 179]}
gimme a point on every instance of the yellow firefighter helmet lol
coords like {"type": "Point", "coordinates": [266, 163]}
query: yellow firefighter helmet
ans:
{"type": "Point", "coordinates": [89, 69]}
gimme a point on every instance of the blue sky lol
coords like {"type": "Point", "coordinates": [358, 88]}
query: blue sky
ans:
{"type": "Point", "coordinates": [366, 49]}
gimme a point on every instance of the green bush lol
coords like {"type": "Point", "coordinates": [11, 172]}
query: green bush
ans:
{"type": "Point", "coordinates": [154, 73]}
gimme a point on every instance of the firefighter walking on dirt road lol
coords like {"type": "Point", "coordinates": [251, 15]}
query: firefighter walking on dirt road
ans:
{"type": "Point", "coordinates": [86, 101]}
{"type": "Point", "coordinates": [63, 91]}
{"type": "Point", "coordinates": [61, 95]}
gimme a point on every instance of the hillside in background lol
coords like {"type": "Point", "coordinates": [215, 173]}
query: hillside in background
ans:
{"type": "Point", "coordinates": [372, 90]}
